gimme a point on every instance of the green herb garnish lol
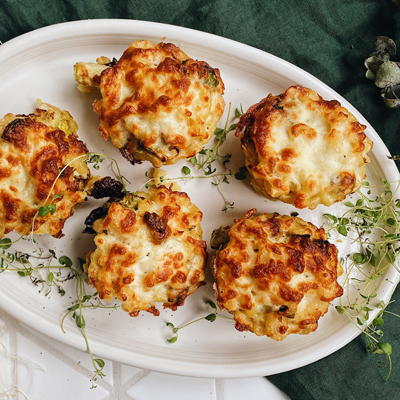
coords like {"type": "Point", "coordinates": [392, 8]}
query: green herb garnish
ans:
{"type": "Point", "coordinates": [209, 317]}
{"type": "Point", "coordinates": [186, 170]}
{"type": "Point", "coordinates": [206, 158]}
{"type": "Point", "coordinates": [85, 301]}
{"type": "Point", "coordinates": [207, 161]}
{"type": "Point", "coordinates": [371, 216]}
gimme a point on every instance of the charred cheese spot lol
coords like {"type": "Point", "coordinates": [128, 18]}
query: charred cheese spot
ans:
{"type": "Point", "coordinates": [294, 146]}
{"type": "Point", "coordinates": [149, 249]}
{"type": "Point", "coordinates": [286, 285]}
{"type": "Point", "coordinates": [179, 277]}
{"type": "Point", "coordinates": [128, 223]}
{"type": "Point", "coordinates": [35, 149]}
{"type": "Point", "coordinates": [157, 103]}
{"type": "Point", "coordinates": [5, 173]}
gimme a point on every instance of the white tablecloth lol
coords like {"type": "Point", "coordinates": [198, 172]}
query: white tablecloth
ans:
{"type": "Point", "coordinates": [36, 367]}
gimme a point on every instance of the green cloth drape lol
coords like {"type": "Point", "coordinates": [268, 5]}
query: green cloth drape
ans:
{"type": "Point", "coordinates": [328, 38]}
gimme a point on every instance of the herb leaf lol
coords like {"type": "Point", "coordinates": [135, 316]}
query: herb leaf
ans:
{"type": "Point", "coordinates": [5, 243]}
{"type": "Point", "coordinates": [211, 304]}
{"type": "Point", "coordinates": [241, 174]}
{"type": "Point", "coordinates": [99, 362]}
{"type": "Point", "coordinates": [186, 170]}
{"type": "Point", "coordinates": [80, 321]}
{"type": "Point", "coordinates": [64, 260]}
{"type": "Point", "coordinates": [209, 317]}
{"type": "Point", "coordinates": [373, 222]}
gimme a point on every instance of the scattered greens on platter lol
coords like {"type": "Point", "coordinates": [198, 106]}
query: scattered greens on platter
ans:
{"type": "Point", "coordinates": [372, 221]}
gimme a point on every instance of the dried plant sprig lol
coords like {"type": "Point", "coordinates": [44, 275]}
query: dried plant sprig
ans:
{"type": "Point", "coordinates": [384, 72]}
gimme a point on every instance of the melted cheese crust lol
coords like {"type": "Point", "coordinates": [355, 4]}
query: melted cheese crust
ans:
{"type": "Point", "coordinates": [149, 249]}
{"type": "Point", "coordinates": [33, 150]}
{"type": "Point", "coordinates": [276, 275]}
{"type": "Point", "coordinates": [157, 103]}
{"type": "Point", "coordinates": [302, 149]}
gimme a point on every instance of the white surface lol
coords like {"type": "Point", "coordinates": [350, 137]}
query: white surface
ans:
{"type": "Point", "coordinates": [39, 65]}
{"type": "Point", "coordinates": [63, 373]}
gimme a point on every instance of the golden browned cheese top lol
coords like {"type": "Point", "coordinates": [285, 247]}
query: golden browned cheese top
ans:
{"type": "Point", "coordinates": [33, 150]}
{"type": "Point", "coordinates": [149, 249]}
{"type": "Point", "coordinates": [302, 149]}
{"type": "Point", "coordinates": [158, 104]}
{"type": "Point", "coordinates": [276, 275]}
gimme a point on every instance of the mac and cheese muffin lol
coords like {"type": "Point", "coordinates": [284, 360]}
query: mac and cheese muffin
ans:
{"type": "Point", "coordinates": [276, 274]}
{"type": "Point", "coordinates": [157, 104]}
{"type": "Point", "coordinates": [302, 149]}
{"type": "Point", "coordinates": [34, 150]}
{"type": "Point", "coordinates": [149, 249]}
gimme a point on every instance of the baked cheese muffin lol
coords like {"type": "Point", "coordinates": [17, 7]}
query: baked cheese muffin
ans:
{"type": "Point", "coordinates": [33, 150]}
{"type": "Point", "coordinates": [302, 149]}
{"type": "Point", "coordinates": [276, 274]}
{"type": "Point", "coordinates": [157, 103]}
{"type": "Point", "coordinates": [149, 249]}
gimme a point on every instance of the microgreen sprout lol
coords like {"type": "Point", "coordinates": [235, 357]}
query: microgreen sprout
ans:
{"type": "Point", "coordinates": [96, 158]}
{"type": "Point", "coordinates": [84, 301]}
{"type": "Point", "coordinates": [209, 317]}
{"type": "Point", "coordinates": [43, 271]}
{"type": "Point", "coordinates": [51, 208]}
{"type": "Point", "coordinates": [186, 170]}
{"type": "Point", "coordinates": [48, 275]}
{"type": "Point", "coordinates": [165, 180]}
{"type": "Point", "coordinates": [375, 214]}
{"type": "Point", "coordinates": [206, 157]}
{"type": "Point", "coordinates": [239, 112]}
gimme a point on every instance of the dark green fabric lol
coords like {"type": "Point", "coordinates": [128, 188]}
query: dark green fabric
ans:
{"type": "Point", "coordinates": [350, 373]}
{"type": "Point", "coordinates": [328, 38]}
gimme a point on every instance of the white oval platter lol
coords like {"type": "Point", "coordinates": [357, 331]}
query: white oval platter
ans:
{"type": "Point", "coordinates": [40, 65]}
